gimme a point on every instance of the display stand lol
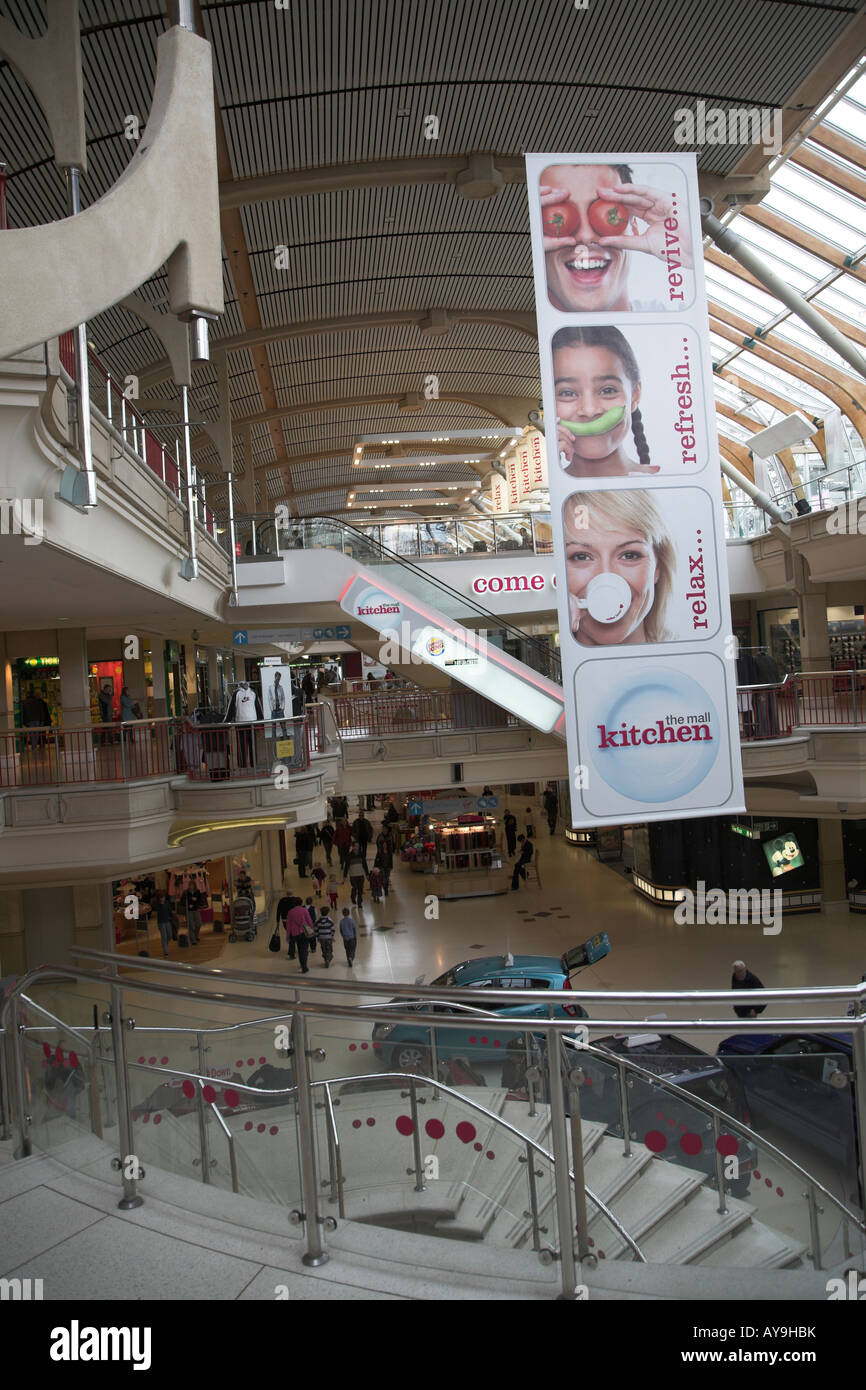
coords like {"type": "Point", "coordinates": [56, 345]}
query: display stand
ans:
{"type": "Point", "coordinates": [468, 862]}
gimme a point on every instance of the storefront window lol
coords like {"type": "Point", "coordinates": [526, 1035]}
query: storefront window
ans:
{"type": "Point", "coordinates": [42, 675]}
{"type": "Point", "coordinates": [780, 633]}
{"type": "Point", "coordinates": [106, 680]}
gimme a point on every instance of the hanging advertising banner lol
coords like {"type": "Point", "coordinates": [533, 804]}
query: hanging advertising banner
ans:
{"type": "Point", "coordinates": [498, 493]}
{"type": "Point", "coordinates": [524, 470]}
{"type": "Point", "coordinates": [537, 461]}
{"type": "Point", "coordinates": [512, 478]}
{"type": "Point", "coordinates": [635, 488]}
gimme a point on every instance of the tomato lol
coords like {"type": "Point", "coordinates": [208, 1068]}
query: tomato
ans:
{"type": "Point", "coordinates": [608, 219]}
{"type": "Point", "coordinates": [560, 219]}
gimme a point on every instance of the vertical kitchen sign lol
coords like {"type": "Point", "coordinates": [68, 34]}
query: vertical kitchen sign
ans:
{"type": "Point", "coordinates": [648, 659]}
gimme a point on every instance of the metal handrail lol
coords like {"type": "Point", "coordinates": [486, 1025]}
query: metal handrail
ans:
{"type": "Point", "coordinates": [233, 1162]}
{"type": "Point", "coordinates": [625, 1064]}
{"type": "Point", "coordinates": [334, 1152]}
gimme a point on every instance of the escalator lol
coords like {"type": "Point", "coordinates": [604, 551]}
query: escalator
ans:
{"type": "Point", "coordinates": [409, 619]}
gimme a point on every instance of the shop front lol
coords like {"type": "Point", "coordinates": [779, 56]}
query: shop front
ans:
{"type": "Point", "coordinates": [41, 675]}
{"type": "Point", "coordinates": [205, 888]}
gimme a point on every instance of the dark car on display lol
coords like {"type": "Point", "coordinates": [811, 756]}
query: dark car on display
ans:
{"type": "Point", "coordinates": [668, 1124]}
{"type": "Point", "coordinates": [801, 1082]}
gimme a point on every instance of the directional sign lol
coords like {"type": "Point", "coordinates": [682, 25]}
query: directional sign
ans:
{"type": "Point", "coordinates": [340, 632]}
{"type": "Point", "coordinates": [416, 808]}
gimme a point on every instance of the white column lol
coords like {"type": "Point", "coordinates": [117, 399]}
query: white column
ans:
{"type": "Point", "coordinates": [74, 677]}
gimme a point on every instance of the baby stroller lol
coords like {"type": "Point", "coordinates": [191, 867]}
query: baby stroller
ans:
{"type": "Point", "coordinates": [243, 919]}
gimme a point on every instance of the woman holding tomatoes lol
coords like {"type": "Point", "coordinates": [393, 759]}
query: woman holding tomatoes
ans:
{"type": "Point", "coordinates": [590, 214]}
{"type": "Point", "coordinates": [597, 384]}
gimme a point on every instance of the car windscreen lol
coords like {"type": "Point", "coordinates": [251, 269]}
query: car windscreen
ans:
{"type": "Point", "coordinates": [447, 981]}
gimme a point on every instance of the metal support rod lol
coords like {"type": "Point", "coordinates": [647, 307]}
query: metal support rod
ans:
{"type": "Point", "coordinates": [130, 1198]}
{"type": "Point", "coordinates": [230, 1139]}
{"type": "Point", "coordinates": [720, 1166]}
{"type": "Point", "coordinates": [5, 1094]}
{"type": "Point", "coordinates": [575, 1077]}
{"type": "Point", "coordinates": [765, 502]}
{"type": "Point", "coordinates": [201, 1104]}
{"type": "Point", "coordinates": [533, 1196]}
{"type": "Point", "coordinates": [95, 1108]}
{"type": "Point", "coordinates": [624, 1111]}
{"type": "Point", "coordinates": [232, 543]}
{"type": "Point", "coordinates": [190, 491]}
{"type": "Point", "coordinates": [108, 414]}
{"type": "Point", "coordinates": [416, 1138]}
{"type": "Point", "coordinates": [16, 1028]}
{"type": "Point", "coordinates": [735, 246]}
{"type": "Point", "coordinates": [530, 1070]}
{"type": "Point", "coordinates": [434, 1060]}
{"type": "Point", "coordinates": [316, 1254]}
{"type": "Point", "coordinates": [82, 366]}
{"type": "Point", "coordinates": [814, 1231]}
{"type": "Point", "coordinates": [561, 1166]}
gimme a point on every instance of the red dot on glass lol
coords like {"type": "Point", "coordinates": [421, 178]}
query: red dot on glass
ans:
{"type": "Point", "coordinates": [188, 1089]}
{"type": "Point", "coordinates": [134, 1113]}
{"type": "Point", "coordinates": [727, 1144]}
{"type": "Point", "coordinates": [371, 1122]}
{"type": "Point", "coordinates": [231, 1097]}
{"type": "Point", "coordinates": [478, 1147]}
{"type": "Point", "coordinates": [655, 1140]}
{"type": "Point", "coordinates": [768, 1182]}
{"type": "Point", "coordinates": [151, 1061]}
{"type": "Point", "coordinates": [262, 1061]}
{"type": "Point", "coordinates": [353, 1047]}
{"type": "Point", "coordinates": [209, 1094]}
{"type": "Point", "coordinates": [484, 1040]}
{"type": "Point", "coordinates": [157, 1119]}
{"type": "Point", "coordinates": [73, 1059]}
{"type": "Point", "coordinates": [659, 1115]}
{"type": "Point", "coordinates": [273, 1129]}
{"type": "Point", "coordinates": [364, 1046]}
{"type": "Point", "coordinates": [248, 1125]}
{"type": "Point", "coordinates": [472, 1040]}
{"type": "Point", "coordinates": [146, 1116]}
{"type": "Point", "coordinates": [756, 1174]}
{"type": "Point", "coordinates": [251, 1061]}
{"type": "Point", "coordinates": [404, 1125]}
{"type": "Point", "coordinates": [691, 1143]}
{"type": "Point", "coordinates": [672, 1122]}
{"type": "Point", "coordinates": [683, 1128]}
{"type": "Point", "coordinates": [376, 1047]}
{"type": "Point", "coordinates": [260, 1129]}
{"type": "Point", "coordinates": [496, 1042]}
{"type": "Point", "coordinates": [46, 1048]}
{"type": "Point", "coordinates": [587, 1081]}
{"type": "Point", "coordinates": [465, 1132]}
{"type": "Point", "coordinates": [591, 1242]}
{"type": "Point", "coordinates": [601, 1255]}
{"type": "Point", "coordinates": [490, 1153]}
{"type": "Point", "coordinates": [435, 1129]}
{"type": "Point", "coordinates": [58, 1055]}
{"type": "Point", "coordinates": [240, 1063]}
{"type": "Point", "coordinates": [356, 1124]}
{"type": "Point", "coordinates": [163, 1061]}
{"type": "Point", "coordinates": [779, 1192]}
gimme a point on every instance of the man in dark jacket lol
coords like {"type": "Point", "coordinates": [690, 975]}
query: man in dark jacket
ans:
{"type": "Point", "coordinates": [522, 860]}
{"type": "Point", "coordinates": [744, 979]}
{"type": "Point", "coordinates": [510, 823]}
{"type": "Point", "coordinates": [326, 839]}
{"type": "Point", "coordinates": [35, 714]}
{"type": "Point", "coordinates": [362, 831]}
{"type": "Point", "coordinates": [550, 808]}
{"type": "Point", "coordinates": [308, 685]}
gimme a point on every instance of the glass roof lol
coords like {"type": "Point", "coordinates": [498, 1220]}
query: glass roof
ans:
{"type": "Point", "coordinates": [817, 194]}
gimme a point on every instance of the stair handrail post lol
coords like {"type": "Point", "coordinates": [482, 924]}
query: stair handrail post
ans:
{"type": "Point", "coordinates": [720, 1165]}
{"type": "Point", "coordinates": [315, 1254]}
{"type": "Point", "coordinates": [416, 1138]}
{"type": "Point", "coordinates": [561, 1165]}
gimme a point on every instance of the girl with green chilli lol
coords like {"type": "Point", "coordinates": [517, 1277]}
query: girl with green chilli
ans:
{"type": "Point", "coordinates": [598, 388]}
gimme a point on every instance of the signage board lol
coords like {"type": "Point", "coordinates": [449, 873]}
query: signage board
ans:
{"type": "Point", "coordinates": [635, 487]}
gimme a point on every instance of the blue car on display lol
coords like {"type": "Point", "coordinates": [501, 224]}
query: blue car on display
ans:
{"type": "Point", "coordinates": [407, 1048]}
{"type": "Point", "coordinates": [800, 1082]}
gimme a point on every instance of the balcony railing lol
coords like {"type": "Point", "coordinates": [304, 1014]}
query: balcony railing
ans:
{"type": "Point", "coordinates": [140, 748]}
{"type": "Point", "coordinates": [818, 699]}
{"type": "Point", "coordinates": [108, 398]}
{"type": "Point", "coordinates": [414, 711]}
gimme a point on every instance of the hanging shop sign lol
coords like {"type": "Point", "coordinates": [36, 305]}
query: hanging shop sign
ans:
{"type": "Point", "coordinates": [635, 489]}
{"type": "Point", "coordinates": [499, 494]}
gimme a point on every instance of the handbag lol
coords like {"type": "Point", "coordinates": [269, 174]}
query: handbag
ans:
{"type": "Point", "coordinates": [309, 931]}
{"type": "Point", "coordinates": [274, 943]}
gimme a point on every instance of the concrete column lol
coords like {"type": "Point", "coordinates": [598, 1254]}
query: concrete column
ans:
{"type": "Point", "coordinates": [833, 882]}
{"type": "Point", "coordinates": [74, 679]}
{"type": "Point", "coordinates": [157, 666]}
{"type": "Point", "coordinates": [93, 911]}
{"type": "Point", "coordinates": [48, 915]}
{"type": "Point", "coordinates": [133, 667]}
{"type": "Point", "coordinates": [6, 702]}
{"type": "Point", "coordinates": [12, 954]}
{"type": "Point", "coordinates": [272, 873]}
{"type": "Point", "coordinates": [814, 637]}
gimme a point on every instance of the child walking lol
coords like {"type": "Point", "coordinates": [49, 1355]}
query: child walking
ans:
{"type": "Point", "coordinates": [333, 891]}
{"type": "Point", "coordinates": [318, 873]}
{"type": "Point", "coordinates": [377, 882]}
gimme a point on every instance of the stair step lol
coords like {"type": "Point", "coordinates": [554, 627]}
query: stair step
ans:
{"type": "Point", "coordinates": [755, 1247]}
{"type": "Point", "coordinates": [694, 1230]}
{"type": "Point", "coordinates": [661, 1189]}
{"type": "Point", "coordinates": [609, 1172]}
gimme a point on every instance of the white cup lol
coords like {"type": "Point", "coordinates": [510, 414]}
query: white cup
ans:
{"type": "Point", "coordinates": [608, 597]}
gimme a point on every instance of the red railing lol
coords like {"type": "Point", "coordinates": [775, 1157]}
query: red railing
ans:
{"type": "Point", "coordinates": [35, 757]}
{"type": "Point", "coordinates": [827, 699]}
{"type": "Point", "coordinates": [129, 422]}
{"type": "Point", "coordinates": [414, 711]}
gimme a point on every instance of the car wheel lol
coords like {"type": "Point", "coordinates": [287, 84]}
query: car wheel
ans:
{"type": "Point", "coordinates": [411, 1056]}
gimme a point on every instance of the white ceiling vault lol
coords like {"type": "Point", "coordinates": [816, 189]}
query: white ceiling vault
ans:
{"type": "Point", "coordinates": [321, 112]}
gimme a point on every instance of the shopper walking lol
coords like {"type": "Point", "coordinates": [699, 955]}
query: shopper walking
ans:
{"type": "Point", "coordinates": [163, 911]}
{"type": "Point", "coordinates": [343, 841]}
{"type": "Point", "coordinates": [35, 714]}
{"type": "Point", "coordinates": [308, 685]}
{"type": "Point", "coordinates": [550, 808]}
{"type": "Point", "coordinates": [284, 906]}
{"type": "Point", "coordinates": [318, 873]}
{"type": "Point", "coordinates": [510, 824]}
{"type": "Point", "coordinates": [326, 840]}
{"type": "Point", "coordinates": [362, 831]}
{"type": "Point", "coordinates": [333, 891]}
{"type": "Point", "coordinates": [523, 859]}
{"type": "Point", "coordinates": [356, 872]}
{"type": "Point", "coordinates": [189, 904]}
{"type": "Point", "coordinates": [349, 933]}
{"type": "Point", "coordinates": [530, 823]}
{"type": "Point", "coordinates": [325, 930]}
{"type": "Point", "coordinates": [744, 979]}
{"type": "Point", "coordinates": [301, 929]}
{"type": "Point", "coordinates": [385, 858]}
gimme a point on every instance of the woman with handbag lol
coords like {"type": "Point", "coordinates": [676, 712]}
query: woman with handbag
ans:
{"type": "Point", "coordinates": [300, 928]}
